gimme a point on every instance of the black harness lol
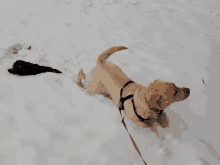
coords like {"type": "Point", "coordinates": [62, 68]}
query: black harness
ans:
{"type": "Point", "coordinates": [123, 99]}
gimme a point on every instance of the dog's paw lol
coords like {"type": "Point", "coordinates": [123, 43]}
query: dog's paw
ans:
{"type": "Point", "coordinates": [80, 84]}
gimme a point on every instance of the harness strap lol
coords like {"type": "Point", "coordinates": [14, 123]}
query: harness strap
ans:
{"type": "Point", "coordinates": [123, 99]}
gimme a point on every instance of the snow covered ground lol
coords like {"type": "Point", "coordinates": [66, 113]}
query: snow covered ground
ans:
{"type": "Point", "coordinates": [47, 119]}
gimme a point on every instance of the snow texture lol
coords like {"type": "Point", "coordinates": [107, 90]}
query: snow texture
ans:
{"type": "Point", "coordinates": [48, 120]}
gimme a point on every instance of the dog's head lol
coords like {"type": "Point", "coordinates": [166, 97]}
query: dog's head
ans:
{"type": "Point", "coordinates": [152, 100]}
{"type": "Point", "coordinates": [161, 94]}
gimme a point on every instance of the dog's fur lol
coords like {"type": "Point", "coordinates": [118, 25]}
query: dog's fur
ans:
{"type": "Point", "coordinates": [150, 102]}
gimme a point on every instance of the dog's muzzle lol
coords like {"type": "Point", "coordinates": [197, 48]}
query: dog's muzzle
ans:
{"type": "Point", "coordinates": [186, 92]}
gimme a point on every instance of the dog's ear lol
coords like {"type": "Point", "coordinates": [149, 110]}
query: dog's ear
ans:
{"type": "Point", "coordinates": [155, 100]}
{"type": "Point", "coordinates": [163, 120]}
{"type": "Point", "coordinates": [159, 102]}
{"type": "Point", "coordinates": [140, 103]}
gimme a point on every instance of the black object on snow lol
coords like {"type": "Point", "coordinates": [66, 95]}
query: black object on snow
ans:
{"type": "Point", "coordinates": [23, 68]}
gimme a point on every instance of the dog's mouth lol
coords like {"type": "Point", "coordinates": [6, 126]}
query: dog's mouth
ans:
{"type": "Point", "coordinates": [156, 113]}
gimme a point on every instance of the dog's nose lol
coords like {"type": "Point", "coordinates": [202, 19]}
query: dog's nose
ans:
{"type": "Point", "coordinates": [188, 91]}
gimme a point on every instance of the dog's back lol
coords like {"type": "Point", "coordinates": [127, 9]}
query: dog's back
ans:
{"type": "Point", "coordinates": [115, 78]}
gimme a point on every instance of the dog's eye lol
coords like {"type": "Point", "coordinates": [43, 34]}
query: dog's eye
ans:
{"type": "Point", "coordinates": [175, 93]}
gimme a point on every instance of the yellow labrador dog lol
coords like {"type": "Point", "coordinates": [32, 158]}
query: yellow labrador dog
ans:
{"type": "Point", "coordinates": [144, 105]}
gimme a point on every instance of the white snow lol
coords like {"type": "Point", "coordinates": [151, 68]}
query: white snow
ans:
{"type": "Point", "coordinates": [47, 119]}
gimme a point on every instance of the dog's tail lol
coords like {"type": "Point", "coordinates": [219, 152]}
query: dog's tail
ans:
{"type": "Point", "coordinates": [106, 54]}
